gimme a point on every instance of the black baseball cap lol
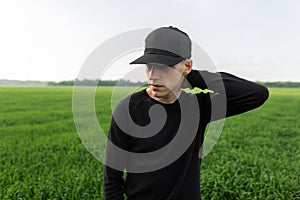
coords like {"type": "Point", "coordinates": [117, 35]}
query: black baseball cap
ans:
{"type": "Point", "coordinates": [166, 46]}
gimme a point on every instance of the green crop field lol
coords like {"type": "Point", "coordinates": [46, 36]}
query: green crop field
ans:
{"type": "Point", "coordinates": [42, 156]}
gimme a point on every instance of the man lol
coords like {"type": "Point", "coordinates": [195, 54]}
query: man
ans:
{"type": "Point", "coordinates": [174, 172]}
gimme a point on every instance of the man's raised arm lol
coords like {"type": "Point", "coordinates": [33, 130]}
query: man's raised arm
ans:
{"type": "Point", "coordinates": [237, 94]}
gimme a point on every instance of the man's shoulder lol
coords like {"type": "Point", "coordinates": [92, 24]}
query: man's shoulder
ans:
{"type": "Point", "coordinates": [139, 98]}
{"type": "Point", "coordinates": [133, 99]}
{"type": "Point", "coordinates": [139, 94]}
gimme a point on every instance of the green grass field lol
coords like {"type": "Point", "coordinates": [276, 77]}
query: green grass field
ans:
{"type": "Point", "coordinates": [42, 157]}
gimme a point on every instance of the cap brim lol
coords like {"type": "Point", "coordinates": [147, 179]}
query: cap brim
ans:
{"type": "Point", "coordinates": [157, 59]}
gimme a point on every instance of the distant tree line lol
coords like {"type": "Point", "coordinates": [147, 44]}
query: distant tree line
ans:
{"type": "Point", "coordinates": [280, 84]}
{"type": "Point", "coordinates": [5, 82]}
{"type": "Point", "coordinates": [122, 82]}
{"type": "Point", "coordinates": [87, 82]}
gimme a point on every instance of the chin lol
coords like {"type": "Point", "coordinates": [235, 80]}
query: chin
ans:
{"type": "Point", "coordinates": [158, 94]}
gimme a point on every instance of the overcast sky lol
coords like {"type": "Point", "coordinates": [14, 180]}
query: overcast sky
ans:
{"type": "Point", "coordinates": [50, 40]}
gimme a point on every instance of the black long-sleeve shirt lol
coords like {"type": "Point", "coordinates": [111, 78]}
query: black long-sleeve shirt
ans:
{"type": "Point", "coordinates": [180, 179]}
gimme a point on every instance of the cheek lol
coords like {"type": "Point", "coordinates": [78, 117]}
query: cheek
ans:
{"type": "Point", "coordinates": [176, 77]}
{"type": "Point", "coordinates": [173, 82]}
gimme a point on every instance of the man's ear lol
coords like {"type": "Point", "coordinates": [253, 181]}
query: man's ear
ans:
{"type": "Point", "coordinates": [188, 64]}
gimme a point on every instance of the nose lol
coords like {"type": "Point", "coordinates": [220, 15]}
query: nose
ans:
{"type": "Point", "coordinates": [153, 73]}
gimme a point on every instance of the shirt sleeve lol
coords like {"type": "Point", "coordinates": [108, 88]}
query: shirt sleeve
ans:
{"type": "Point", "coordinates": [231, 95]}
{"type": "Point", "coordinates": [113, 181]}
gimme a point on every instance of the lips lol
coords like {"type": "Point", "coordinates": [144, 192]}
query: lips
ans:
{"type": "Point", "coordinates": [155, 85]}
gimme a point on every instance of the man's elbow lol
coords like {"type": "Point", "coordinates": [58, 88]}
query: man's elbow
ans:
{"type": "Point", "coordinates": [262, 94]}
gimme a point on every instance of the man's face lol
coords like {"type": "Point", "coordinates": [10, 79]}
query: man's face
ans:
{"type": "Point", "coordinates": [165, 80]}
